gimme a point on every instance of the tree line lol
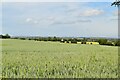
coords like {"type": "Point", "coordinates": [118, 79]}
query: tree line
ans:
{"type": "Point", "coordinates": [116, 42]}
{"type": "Point", "coordinates": [6, 36]}
{"type": "Point", "coordinates": [102, 41]}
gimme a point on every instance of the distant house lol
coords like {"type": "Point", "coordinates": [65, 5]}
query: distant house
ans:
{"type": "Point", "coordinates": [62, 40]}
{"type": "Point", "coordinates": [69, 41]}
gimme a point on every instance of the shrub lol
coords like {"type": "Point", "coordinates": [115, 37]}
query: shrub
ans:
{"type": "Point", "coordinates": [74, 42]}
{"type": "Point", "coordinates": [109, 44]}
{"type": "Point", "coordinates": [102, 41]}
{"type": "Point", "coordinates": [83, 42]}
{"type": "Point", "coordinates": [22, 38]}
{"type": "Point", "coordinates": [67, 41]}
{"type": "Point", "coordinates": [5, 36]}
{"type": "Point", "coordinates": [117, 43]}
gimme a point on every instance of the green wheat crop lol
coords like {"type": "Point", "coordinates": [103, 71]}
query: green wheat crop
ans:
{"type": "Point", "coordinates": [35, 59]}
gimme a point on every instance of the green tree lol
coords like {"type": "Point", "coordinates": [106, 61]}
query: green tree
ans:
{"type": "Point", "coordinates": [117, 43]}
{"type": "Point", "coordinates": [109, 44]}
{"type": "Point", "coordinates": [5, 36]}
{"type": "Point", "coordinates": [102, 41]}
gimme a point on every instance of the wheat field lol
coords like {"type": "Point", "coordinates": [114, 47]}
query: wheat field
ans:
{"type": "Point", "coordinates": [38, 59]}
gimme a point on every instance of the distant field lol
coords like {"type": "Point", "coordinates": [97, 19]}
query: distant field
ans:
{"type": "Point", "coordinates": [35, 59]}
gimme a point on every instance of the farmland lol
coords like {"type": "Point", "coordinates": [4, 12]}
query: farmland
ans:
{"type": "Point", "coordinates": [39, 59]}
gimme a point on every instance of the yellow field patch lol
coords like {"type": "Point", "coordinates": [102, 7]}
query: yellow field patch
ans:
{"type": "Point", "coordinates": [79, 42]}
{"type": "Point", "coordinates": [92, 43]}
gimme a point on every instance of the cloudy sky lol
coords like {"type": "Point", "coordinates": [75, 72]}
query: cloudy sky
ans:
{"type": "Point", "coordinates": [71, 19]}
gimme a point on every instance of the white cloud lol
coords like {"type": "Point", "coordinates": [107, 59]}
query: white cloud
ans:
{"type": "Point", "coordinates": [31, 21]}
{"type": "Point", "coordinates": [28, 19]}
{"type": "Point", "coordinates": [76, 21]}
{"type": "Point", "coordinates": [51, 18]}
{"type": "Point", "coordinates": [36, 22]}
{"type": "Point", "coordinates": [40, 21]}
{"type": "Point", "coordinates": [91, 12]}
{"type": "Point", "coordinates": [79, 10]}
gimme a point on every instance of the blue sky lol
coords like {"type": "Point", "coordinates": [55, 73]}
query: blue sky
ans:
{"type": "Point", "coordinates": [78, 19]}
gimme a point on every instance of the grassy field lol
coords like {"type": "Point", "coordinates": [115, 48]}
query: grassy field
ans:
{"type": "Point", "coordinates": [35, 59]}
